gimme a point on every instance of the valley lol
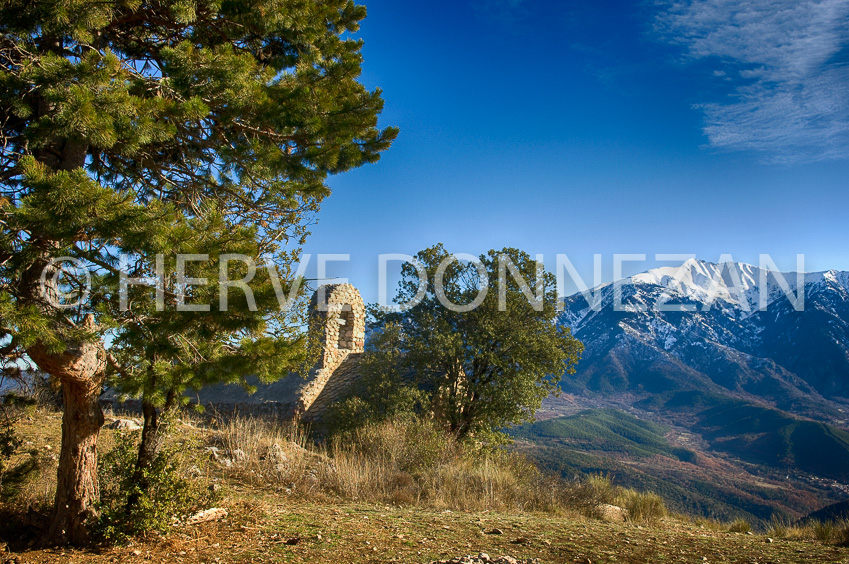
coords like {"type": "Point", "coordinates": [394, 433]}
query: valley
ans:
{"type": "Point", "coordinates": [733, 405]}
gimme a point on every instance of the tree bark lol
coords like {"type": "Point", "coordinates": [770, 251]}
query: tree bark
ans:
{"type": "Point", "coordinates": [77, 488]}
{"type": "Point", "coordinates": [151, 441]}
{"type": "Point", "coordinates": [81, 370]}
{"type": "Point", "coordinates": [151, 438]}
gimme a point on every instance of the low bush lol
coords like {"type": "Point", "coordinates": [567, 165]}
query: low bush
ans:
{"type": "Point", "coordinates": [9, 442]}
{"type": "Point", "coordinates": [18, 470]}
{"type": "Point", "coordinates": [588, 494]}
{"type": "Point", "coordinates": [740, 526]}
{"type": "Point", "coordinates": [175, 489]}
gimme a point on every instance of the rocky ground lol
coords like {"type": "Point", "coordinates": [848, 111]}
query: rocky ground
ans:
{"type": "Point", "coordinates": [262, 528]}
{"type": "Point", "coordinates": [263, 523]}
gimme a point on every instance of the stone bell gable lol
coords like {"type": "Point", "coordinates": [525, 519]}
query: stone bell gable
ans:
{"type": "Point", "coordinates": [340, 310]}
{"type": "Point", "coordinates": [338, 314]}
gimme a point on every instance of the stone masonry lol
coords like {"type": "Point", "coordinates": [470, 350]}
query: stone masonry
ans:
{"type": "Point", "coordinates": [340, 310]}
{"type": "Point", "coordinates": [339, 313]}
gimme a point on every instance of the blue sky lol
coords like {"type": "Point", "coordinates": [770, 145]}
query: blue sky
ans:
{"type": "Point", "coordinates": [580, 127]}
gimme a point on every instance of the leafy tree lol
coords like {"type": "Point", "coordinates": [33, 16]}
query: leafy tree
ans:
{"type": "Point", "coordinates": [486, 347]}
{"type": "Point", "coordinates": [384, 389]}
{"type": "Point", "coordinates": [132, 128]}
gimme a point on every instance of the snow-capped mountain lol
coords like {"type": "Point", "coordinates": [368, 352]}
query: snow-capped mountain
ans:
{"type": "Point", "coordinates": [720, 329]}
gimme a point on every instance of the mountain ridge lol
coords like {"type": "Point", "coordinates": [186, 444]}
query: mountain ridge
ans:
{"type": "Point", "coordinates": [753, 386]}
{"type": "Point", "coordinates": [710, 324]}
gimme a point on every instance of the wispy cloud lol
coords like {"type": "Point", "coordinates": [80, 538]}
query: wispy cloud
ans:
{"type": "Point", "coordinates": [788, 60]}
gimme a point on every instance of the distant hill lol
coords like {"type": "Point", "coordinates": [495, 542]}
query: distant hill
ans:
{"type": "Point", "coordinates": [766, 436]}
{"type": "Point", "coordinates": [835, 512]}
{"type": "Point", "coordinates": [638, 454]}
{"type": "Point", "coordinates": [606, 430]}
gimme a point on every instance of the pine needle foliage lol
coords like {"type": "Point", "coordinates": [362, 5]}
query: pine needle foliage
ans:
{"type": "Point", "coordinates": [132, 131]}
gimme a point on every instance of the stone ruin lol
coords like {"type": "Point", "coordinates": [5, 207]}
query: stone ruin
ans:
{"type": "Point", "coordinates": [339, 313]}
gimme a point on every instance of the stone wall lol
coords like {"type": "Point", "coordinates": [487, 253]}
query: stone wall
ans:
{"type": "Point", "coordinates": [340, 314]}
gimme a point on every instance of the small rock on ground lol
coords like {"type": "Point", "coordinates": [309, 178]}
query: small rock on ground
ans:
{"type": "Point", "coordinates": [612, 513]}
{"type": "Point", "coordinates": [211, 514]}
{"type": "Point", "coordinates": [126, 424]}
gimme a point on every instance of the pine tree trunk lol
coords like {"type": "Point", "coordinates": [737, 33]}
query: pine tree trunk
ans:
{"type": "Point", "coordinates": [81, 370]}
{"type": "Point", "coordinates": [153, 435]}
{"type": "Point", "coordinates": [151, 441]}
{"type": "Point", "coordinates": [151, 438]}
{"type": "Point", "coordinates": [77, 489]}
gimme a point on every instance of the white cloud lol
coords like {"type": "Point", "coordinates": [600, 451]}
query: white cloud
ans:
{"type": "Point", "coordinates": [792, 104]}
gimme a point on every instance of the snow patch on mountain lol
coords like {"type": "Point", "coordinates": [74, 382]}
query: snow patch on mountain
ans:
{"type": "Point", "coordinates": [729, 284]}
{"type": "Point", "coordinates": [737, 327]}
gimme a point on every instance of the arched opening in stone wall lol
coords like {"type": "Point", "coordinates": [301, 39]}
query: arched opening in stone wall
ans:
{"type": "Point", "coordinates": [346, 328]}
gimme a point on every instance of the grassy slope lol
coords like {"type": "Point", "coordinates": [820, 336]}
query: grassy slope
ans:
{"type": "Point", "coordinates": [263, 521]}
{"type": "Point", "coordinates": [606, 430]}
{"type": "Point", "coordinates": [762, 435]}
{"type": "Point", "coordinates": [260, 526]}
{"type": "Point", "coordinates": [767, 436]}
{"type": "Point", "coordinates": [638, 455]}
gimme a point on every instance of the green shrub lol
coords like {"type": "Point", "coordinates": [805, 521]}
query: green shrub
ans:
{"type": "Point", "coordinates": [383, 392]}
{"type": "Point", "coordinates": [9, 442]}
{"type": "Point", "coordinates": [174, 490]}
{"type": "Point", "coordinates": [13, 480]}
{"type": "Point", "coordinates": [13, 399]}
{"type": "Point", "coordinates": [25, 469]}
{"type": "Point", "coordinates": [740, 526]}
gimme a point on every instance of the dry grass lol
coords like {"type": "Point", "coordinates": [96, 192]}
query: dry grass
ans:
{"type": "Point", "coordinates": [740, 526]}
{"type": "Point", "coordinates": [710, 524]}
{"type": "Point", "coordinates": [779, 528]}
{"type": "Point", "coordinates": [400, 463]}
{"type": "Point", "coordinates": [643, 508]}
{"type": "Point", "coordinates": [827, 532]}
{"type": "Point", "coordinates": [412, 462]}
{"type": "Point", "coordinates": [271, 454]}
{"type": "Point", "coordinates": [29, 477]}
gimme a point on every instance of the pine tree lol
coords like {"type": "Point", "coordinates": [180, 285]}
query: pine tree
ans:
{"type": "Point", "coordinates": [133, 128]}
